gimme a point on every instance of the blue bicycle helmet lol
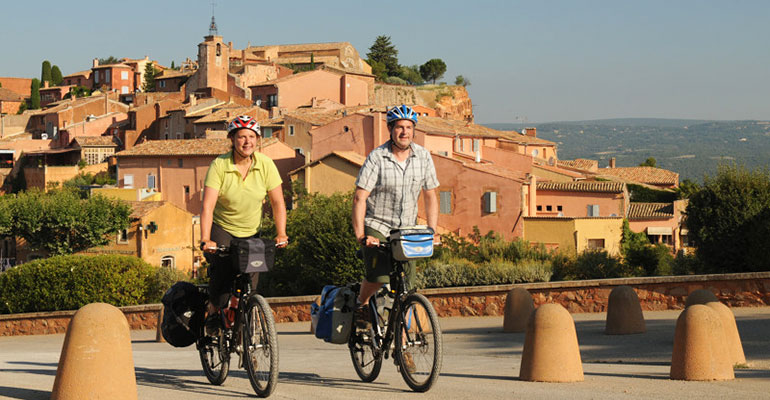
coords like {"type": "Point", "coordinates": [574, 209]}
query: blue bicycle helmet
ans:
{"type": "Point", "coordinates": [401, 112]}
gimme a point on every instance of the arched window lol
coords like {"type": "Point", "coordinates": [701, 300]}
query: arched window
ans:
{"type": "Point", "coordinates": [219, 49]}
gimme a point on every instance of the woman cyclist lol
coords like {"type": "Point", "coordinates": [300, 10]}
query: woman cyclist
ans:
{"type": "Point", "coordinates": [235, 187]}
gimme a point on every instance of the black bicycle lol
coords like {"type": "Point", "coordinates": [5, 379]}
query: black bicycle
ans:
{"type": "Point", "coordinates": [247, 329]}
{"type": "Point", "coordinates": [404, 326]}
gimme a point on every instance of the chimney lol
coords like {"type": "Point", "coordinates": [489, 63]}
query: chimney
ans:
{"type": "Point", "coordinates": [45, 84]}
{"type": "Point", "coordinates": [193, 100]}
{"type": "Point", "coordinates": [532, 132]}
{"type": "Point", "coordinates": [612, 162]}
{"type": "Point", "coordinates": [95, 63]}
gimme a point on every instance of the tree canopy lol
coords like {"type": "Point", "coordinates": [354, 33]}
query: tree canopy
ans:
{"type": "Point", "coordinates": [34, 97]}
{"type": "Point", "coordinates": [45, 74]}
{"type": "Point", "coordinates": [729, 220]}
{"type": "Point", "coordinates": [109, 60]}
{"type": "Point", "coordinates": [383, 51]}
{"type": "Point", "coordinates": [61, 222]}
{"type": "Point", "coordinates": [150, 72]}
{"type": "Point", "coordinates": [462, 81]}
{"type": "Point", "coordinates": [433, 69]}
{"type": "Point", "coordinates": [649, 162]}
{"type": "Point", "coordinates": [56, 76]}
{"type": "Point", "coordinates": [411, 74]}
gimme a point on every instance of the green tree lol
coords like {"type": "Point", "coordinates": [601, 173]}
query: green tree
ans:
{"type": "Point", "coordinates": [379, 70]}
{"type": "Point", "coordinates": [172, 64]}
{"type": "Point", "coordinates": [433, 69]}
{"type": "Point", "coordinates": [56, 76]}
{"type": "Point", "coordinates": [385, 52]}
{"type": "Point", "coordinates": [34, 97]}
{"type": "Point", "coordinates": [321, 250]}
{"type": "Point", "coordinates": [462, 81]}
{"type": "Point", "coordinates": [687, 188]}
{"type": "Point", "coordinates": [150, 72]}
{"type": "Point", "coordinates": [649, 162]}
{"type": "Point", "coordinates": [61, 222]}
{"type": "Point", "coordinates": [6, 216]}
{"type": "Point", "coordinates": [729, 220]}
{"type": "Point", "coordinates": [45, 75]}
{"type": "Point", "coordinates": [109, 60]}
{"type": "Point", "coordinates": [411, 74]}
{"type": "Point", "coordinates": [78, 91]}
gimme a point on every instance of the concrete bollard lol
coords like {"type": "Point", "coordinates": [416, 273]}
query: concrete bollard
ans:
{"type": "Point", "coordinates": [732, 337]}
{"type": "Point", "coordinates": [700, 352]}
{"type": "Point", "coordinates": [551, 352]}
{"type": "Point", "coordinates": [96, 361]}
{"type": "Point", "coordinates": [700, 296]}
{"type": "Point", "coordinates": [624, 313]}
{"type": "Point", "coordinates": [518, 308]}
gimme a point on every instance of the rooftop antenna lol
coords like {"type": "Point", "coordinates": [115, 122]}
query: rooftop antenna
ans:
{"type": "Point", "coordinates": [213, 27]}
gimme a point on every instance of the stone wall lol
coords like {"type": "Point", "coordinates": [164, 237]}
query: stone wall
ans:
{"type": "Point", "coordinates": [655, 293]}
{"type": "Point", "coordinates": [451, 102]}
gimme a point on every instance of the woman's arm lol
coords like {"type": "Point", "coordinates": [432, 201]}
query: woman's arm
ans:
{"type": "Point", "coordinates": [279, 215]}
{"type": "Point", "coordinates": [210, 196]}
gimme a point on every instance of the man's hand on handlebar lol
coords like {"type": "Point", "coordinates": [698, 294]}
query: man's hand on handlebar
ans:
{"type": "Point", "coordinates": [437, 239]}
{"type": "Point", "coordinates": [369, 241]}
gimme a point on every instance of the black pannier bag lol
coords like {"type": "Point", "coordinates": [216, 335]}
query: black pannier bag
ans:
{"type": "Point", "coordinates": [252, 255]}
{"type": "Point", "coordinates": [184, 309]}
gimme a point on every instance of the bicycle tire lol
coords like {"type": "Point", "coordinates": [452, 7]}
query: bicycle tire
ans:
{"type": "Point", "coordinates": [215, 362]}
{"type": "Point", "coordinates": [423, 343]}
{"type": "Point", "coordinates": [260, 346]}
{"type": "Point", "coordinates": [366, 360]}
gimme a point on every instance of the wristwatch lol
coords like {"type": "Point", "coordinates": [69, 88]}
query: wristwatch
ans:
{"type": "Point", "coordinates": [203, 246]}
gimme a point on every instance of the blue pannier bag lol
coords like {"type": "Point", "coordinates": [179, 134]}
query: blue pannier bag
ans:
{"type": "Point", "coordinates": [412, 242]}
{"type": "Point", "coordinates": [334, 315]}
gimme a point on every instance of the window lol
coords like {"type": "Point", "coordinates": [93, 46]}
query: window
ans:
{"type": "Point", "coordinates": [179, 135]}
{"type": "Point", "coordinates": [162, 83]}
{"type": "Point", "coordinates": [267, 132]}
{"type": "Point", "coordinates": [168, 162]}
{"type": "Point", "coordinates": [490, 202]}
{"type": "Point", "coordinates": [151, 181]}
{"type": "Point", "coordinates": [124, 75]}
{"type": "Point", "coordinates": [107, 76]}
{"type": "Point", "coordinates": [180, 162]}
{"type": "Point", "coordinates": [291, 130]}
{"type": "Point", "coordinates": [128, 181]}
{"type": "Point", "coordinates": [444, 153]}
{"type": "Point", "coordinates": [458, 143]}
{"type": "Point", "coordinates": [123, 236]}
{"type": "Point", "coordinates": [593, 210]}
{"type": "Point", "coordinates": [96, 77]}
{"type": "Point", "coordinates": [558, 208]}
{"type": "Point", "coordinates": [595, 243]}
{"type": "Point", "coordinates": [186, 190]}
{"type": "Point", "coordinates": [445, 202]}
{"type": "Point", "coordinates": [539, 208]}
{"type": "Point", "coordinates": [272, 100]}
{"type": "Point", "coordinates": [548, 208]}
{"type": "Point", "coordinates": [124, 89]}
{"type": "Point", "coordinates": [167, 262]}
{"type": "Point", "coordinates": [475, 145]}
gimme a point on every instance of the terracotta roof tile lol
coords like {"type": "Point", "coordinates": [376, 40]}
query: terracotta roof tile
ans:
{"type": "Point", "coordinates": [141, 208]}
{"type": "Point", "coordinates": [102, 141]}
{"type": "Point", "coordinates": [496, 170]}
{"type": "Point", "coordinates": [225, 114]}
{"type": "Point", "coordinates": [582, 186]}
{"type": "Point", "coordinates": [184, 147]}
{"type": "Point", "coordinates": [168, 74]}
{"type": "Point", "coordinates": [314, 116]}
{"type": "Point", "coordinates": [650, 210]}
{"type": "Point", "coordinates": [649, 175]}
{"type": "Point", "coordinates": [578, 163]}
{"type": "Point", "coordinates": [86, 73]}
{"type": "Point", "coordinates": [9, 95]}
{"type": "Point", "coordinates": [557, 170]}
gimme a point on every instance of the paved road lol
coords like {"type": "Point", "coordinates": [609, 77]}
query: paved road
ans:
{"type": "Point", "coordinates": [480, 362]}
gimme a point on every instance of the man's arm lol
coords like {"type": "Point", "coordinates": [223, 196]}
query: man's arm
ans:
{"type": "Point", "coordinates": [359, 213]}
{"type": "Point", "coordinates": [431, 212]}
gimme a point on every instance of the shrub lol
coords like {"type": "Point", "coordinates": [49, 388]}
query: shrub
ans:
{"type": "Point", "coordinates": [461, 272]}
{"type": "Point", "coordinates": [686, 264]}
{"type": "Point", "coordinates": [598, 264]}
{"type": "Point", "coordinates": [70, 282]}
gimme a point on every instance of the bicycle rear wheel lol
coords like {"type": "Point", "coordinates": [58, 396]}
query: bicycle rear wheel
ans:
{"type": "Point", "coordinates": [418, 342]}
{"type": "Point", "coordinates": [260, 346]}
{"type": "Point", "coordinates": [214, 359]}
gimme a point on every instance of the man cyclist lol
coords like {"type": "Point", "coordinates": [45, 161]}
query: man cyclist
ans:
{"type": "Point", "coordinates": [387, 188]}
{"type": "Point", "coordinates": [236, 184]}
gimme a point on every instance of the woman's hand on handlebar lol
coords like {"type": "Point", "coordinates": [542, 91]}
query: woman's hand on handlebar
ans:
{"type": "Point", "coordinates": [437, 239]}
{"type": "Point", "coordinates": [281, 241]}
{"type": "Point", "coordinates": [208, 246]}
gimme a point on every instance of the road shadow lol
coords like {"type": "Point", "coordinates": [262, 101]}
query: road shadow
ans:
{"type": "Point", "coordinates": [24, 394]}
{"type": "Point", "coordinates": [306, 379]}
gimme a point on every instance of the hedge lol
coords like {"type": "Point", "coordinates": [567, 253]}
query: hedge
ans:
{"type": "Point", "coordinates": [70, 282]}
{"type": "Point", "coordinates": [461, 272]}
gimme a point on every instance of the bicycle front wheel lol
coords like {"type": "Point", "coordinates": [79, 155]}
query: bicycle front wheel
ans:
{"type": "Point", "coordinates": [215, 359]}
{"type": "Point", "coordinates": [418, 343]}
{"type": "Point", "coordinates": [260, 346]}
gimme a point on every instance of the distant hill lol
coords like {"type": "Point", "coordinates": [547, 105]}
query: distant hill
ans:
{"type": "Point", "coordinates": [692, 148]}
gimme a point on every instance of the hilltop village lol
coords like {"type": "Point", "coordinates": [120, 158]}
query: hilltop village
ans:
{"type": "Point", "coordinates": [321, 111]}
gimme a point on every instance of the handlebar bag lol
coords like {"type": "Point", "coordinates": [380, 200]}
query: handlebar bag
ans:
{"type": "Point", "coordinates": [251, 255]}
{"type": "Point", "coordinates": [412, 242]}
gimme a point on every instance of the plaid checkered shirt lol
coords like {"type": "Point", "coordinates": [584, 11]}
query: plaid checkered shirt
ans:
{"type": "Point", "coordinates": [395, 187]}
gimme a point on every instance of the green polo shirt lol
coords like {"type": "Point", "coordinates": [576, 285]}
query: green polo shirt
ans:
{"type": "Point", "coordinates": [239, 205]}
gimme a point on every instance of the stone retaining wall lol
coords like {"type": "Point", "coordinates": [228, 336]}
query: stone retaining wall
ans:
{"type": "Point", "coordinates": [655, 293]}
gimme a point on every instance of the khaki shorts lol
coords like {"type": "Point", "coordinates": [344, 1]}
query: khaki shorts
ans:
{"type": "Point", "coordinates": [377, 263]}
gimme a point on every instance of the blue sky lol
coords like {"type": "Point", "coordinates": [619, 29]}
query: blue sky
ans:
{"type": "Point", "coordinates": [539, 61]}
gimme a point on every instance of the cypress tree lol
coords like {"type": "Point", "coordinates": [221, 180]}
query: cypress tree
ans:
{"type": "Point", "coordinates": [45, 75]}
{"type": "Point", "coordinates": [56, 77]}
{"type": "Point", "coordinates": [34, 97]}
